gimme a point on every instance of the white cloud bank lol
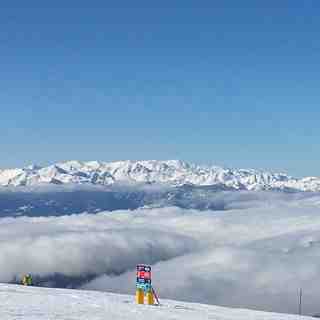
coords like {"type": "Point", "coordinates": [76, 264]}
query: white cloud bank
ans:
{"type": "Point", "coordinates": [256, 256]}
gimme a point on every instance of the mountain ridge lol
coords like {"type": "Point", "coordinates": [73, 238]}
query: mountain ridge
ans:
{"type": "Point", "coordinates": [168, 172]}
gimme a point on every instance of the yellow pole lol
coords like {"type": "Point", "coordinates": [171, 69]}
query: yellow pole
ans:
{"type": "Point", "coordinates": [150, 298]}
{"type": "Point", "coordinates": [139, 296]}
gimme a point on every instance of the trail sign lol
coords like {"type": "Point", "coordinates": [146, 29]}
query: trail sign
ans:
{"type": "Point", "coordinates": [144, 286]}
{"type": "Point", "coordinates": [144, 278]}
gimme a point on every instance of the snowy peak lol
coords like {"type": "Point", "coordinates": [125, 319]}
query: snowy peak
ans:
{"type": "Point", "coordinates": [171, 172]}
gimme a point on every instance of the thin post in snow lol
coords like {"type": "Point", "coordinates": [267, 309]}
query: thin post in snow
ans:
{"type": "Point", "coordinates": [300, 301]}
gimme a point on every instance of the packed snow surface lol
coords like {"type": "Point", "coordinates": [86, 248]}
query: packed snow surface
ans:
{"type": "Point", "coordinates": [32, 303]}
{"type": "Point", "coordinates": [171, 172]}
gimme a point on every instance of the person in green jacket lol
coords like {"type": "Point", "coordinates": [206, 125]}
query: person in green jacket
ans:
{"type": "Point", "coordinates": [27, 280]}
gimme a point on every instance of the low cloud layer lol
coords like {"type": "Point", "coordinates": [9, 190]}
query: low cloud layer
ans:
{"type": "Point", "coordinates": [81, 245]}
{"type": "Point", "coordinates": [256, 254]}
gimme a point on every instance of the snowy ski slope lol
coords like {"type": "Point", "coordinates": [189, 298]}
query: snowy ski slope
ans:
{"type": "Point", "coordinates": [32, 303]}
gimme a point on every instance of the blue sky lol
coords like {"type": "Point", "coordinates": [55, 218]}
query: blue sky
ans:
{"type": "Point", "coordinates": [233, 83]}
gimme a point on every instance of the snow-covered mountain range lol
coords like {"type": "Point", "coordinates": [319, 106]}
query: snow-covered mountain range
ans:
{"type": "Point", "coordinates": [171, 172]}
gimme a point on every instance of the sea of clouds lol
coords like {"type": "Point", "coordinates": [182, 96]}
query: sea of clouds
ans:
{"type": "Point", "coordinates": [255, 254]}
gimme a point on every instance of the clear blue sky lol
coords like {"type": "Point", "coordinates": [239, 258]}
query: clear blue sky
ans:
{"type": "Point", "coordinates": [234, 83]}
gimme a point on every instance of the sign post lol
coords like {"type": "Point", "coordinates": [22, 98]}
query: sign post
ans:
{"type": "Point", "coordinates": [143, 285]}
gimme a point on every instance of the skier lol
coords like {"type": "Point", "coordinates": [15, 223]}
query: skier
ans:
{"type": "Point", "coordinates": [27, 280]}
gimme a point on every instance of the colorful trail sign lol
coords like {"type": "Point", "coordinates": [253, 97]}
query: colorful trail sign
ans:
{"type": "Point", "coordinates": [143, 284]}
{"type": "Point", "coordinates": [143, 277]}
